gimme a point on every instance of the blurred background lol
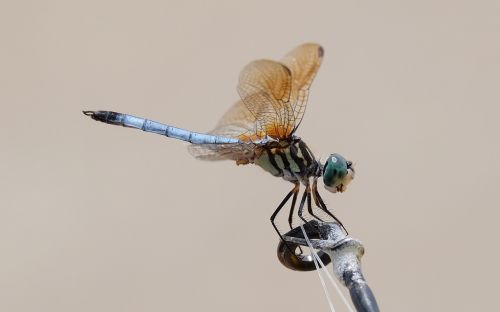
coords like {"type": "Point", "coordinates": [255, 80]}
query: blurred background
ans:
{"type": "Point", "coordinates": [101, 218]}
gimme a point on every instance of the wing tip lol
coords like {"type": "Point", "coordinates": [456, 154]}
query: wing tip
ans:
{"type": "Point", "coordinates": [310, 46]}
{"type": "Point", "coordinates": [321, 51]}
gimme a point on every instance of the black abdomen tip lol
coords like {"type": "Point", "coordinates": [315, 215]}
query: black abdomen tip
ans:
{"type": "Point", "coordinates": [103, 116]}
{"type": "Point", "coordinates": [88, 113]}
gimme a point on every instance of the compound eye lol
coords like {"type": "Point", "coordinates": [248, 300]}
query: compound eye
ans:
{"type": "Point", "coordinates": [334, 170]}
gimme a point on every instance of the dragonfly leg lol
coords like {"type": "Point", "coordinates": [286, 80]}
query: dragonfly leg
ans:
{"type": "Point", "coordinates": [301, 206]}
{"type": "Point", "coordinates": [314, 191]}
{"type": "Point", "coordinates": [321, 204]}
{"type": "Point", "coordinates": [292, 208]}
{"type": "Point", "coordinates": [293, 192]}
{"type": "Point", "coordinates": [309, 206]}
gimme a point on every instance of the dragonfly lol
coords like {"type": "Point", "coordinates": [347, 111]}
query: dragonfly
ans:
{"type": "Point", "coordinates": [260, 129]}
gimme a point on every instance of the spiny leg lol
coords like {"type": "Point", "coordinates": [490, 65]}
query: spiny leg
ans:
{"type": "Point", "coordinates": [309, 206]}
{"type": "Point", "coordinates": [301, 206]}
{"type": "Point", "coordinates": [329, 213]}
{"type": "Point", "coordinates": [319, 201]}
{"type": "Point", "coordinates": [316, 197]}
{"type": "Point", "coordinates": [321, 204]}
{"type": "Point", "coordinates": [314, 191]}
{"type": "Point", "coordinates": [294, 191]}
{"type": "Point", "coordinates": [292, 208]}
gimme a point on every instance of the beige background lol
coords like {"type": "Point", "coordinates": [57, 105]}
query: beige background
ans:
{"type": "Point", "coordinates": [100, 218]}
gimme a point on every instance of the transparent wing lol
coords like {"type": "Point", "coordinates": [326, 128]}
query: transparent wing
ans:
{"type": "Point", "coordinates": [273, 101]}
{"type": "Point", "coordinates": [241, 153]}
{"type": "Point", "coordinates": [303, 62]}
{"type": "Point", "coordinates": [237, 122]}
{"type": "Point", "coordinates": [265, 88]}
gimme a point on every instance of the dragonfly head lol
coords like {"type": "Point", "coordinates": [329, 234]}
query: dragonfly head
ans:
{"type": "Point", "coordinates": [337, 173]}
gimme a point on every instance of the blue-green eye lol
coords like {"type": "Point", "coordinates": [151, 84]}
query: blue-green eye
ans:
{"type": "Point", "coordinates": [335, 170]}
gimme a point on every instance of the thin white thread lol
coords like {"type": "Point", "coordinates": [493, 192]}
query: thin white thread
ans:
{"type": "Point", "coordinates": [317, 259]}
{"type": "Point", "coordinates": [323, 284]}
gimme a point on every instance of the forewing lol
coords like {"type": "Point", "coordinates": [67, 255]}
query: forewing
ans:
{"type": "Point", "coordinates": [303, 62]}
{"type": "Point", "coordinates": [265, 89]}
{"type": "Point", "coordinates": [274, 97]}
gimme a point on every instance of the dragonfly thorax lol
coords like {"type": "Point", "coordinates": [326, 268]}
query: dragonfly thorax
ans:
{"type": "Point", "coordinates": [290, 159]}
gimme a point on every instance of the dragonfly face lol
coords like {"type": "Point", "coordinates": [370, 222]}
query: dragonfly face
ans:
{"type": "Point", "coordinates": [337, 173]}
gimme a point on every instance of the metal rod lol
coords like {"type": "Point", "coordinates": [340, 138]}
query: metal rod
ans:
{"type": "Point", "coordinates": [333, 246]}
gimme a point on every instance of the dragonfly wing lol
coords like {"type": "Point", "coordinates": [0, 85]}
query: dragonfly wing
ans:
{"type": "Point", "coordinates": [265, 89]}
{"type": "Point", "coordinates": [273, 100]}
{"type": "Point", "coordinates": [237, 122]}
{"type": "Point", "coordinates": [303, 62]}
{"type": "Point", "coordinates": [241, 153]}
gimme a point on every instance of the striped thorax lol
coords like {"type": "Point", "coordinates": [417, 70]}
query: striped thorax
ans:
{"type": "Point", "coordinates": [290, 159]}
